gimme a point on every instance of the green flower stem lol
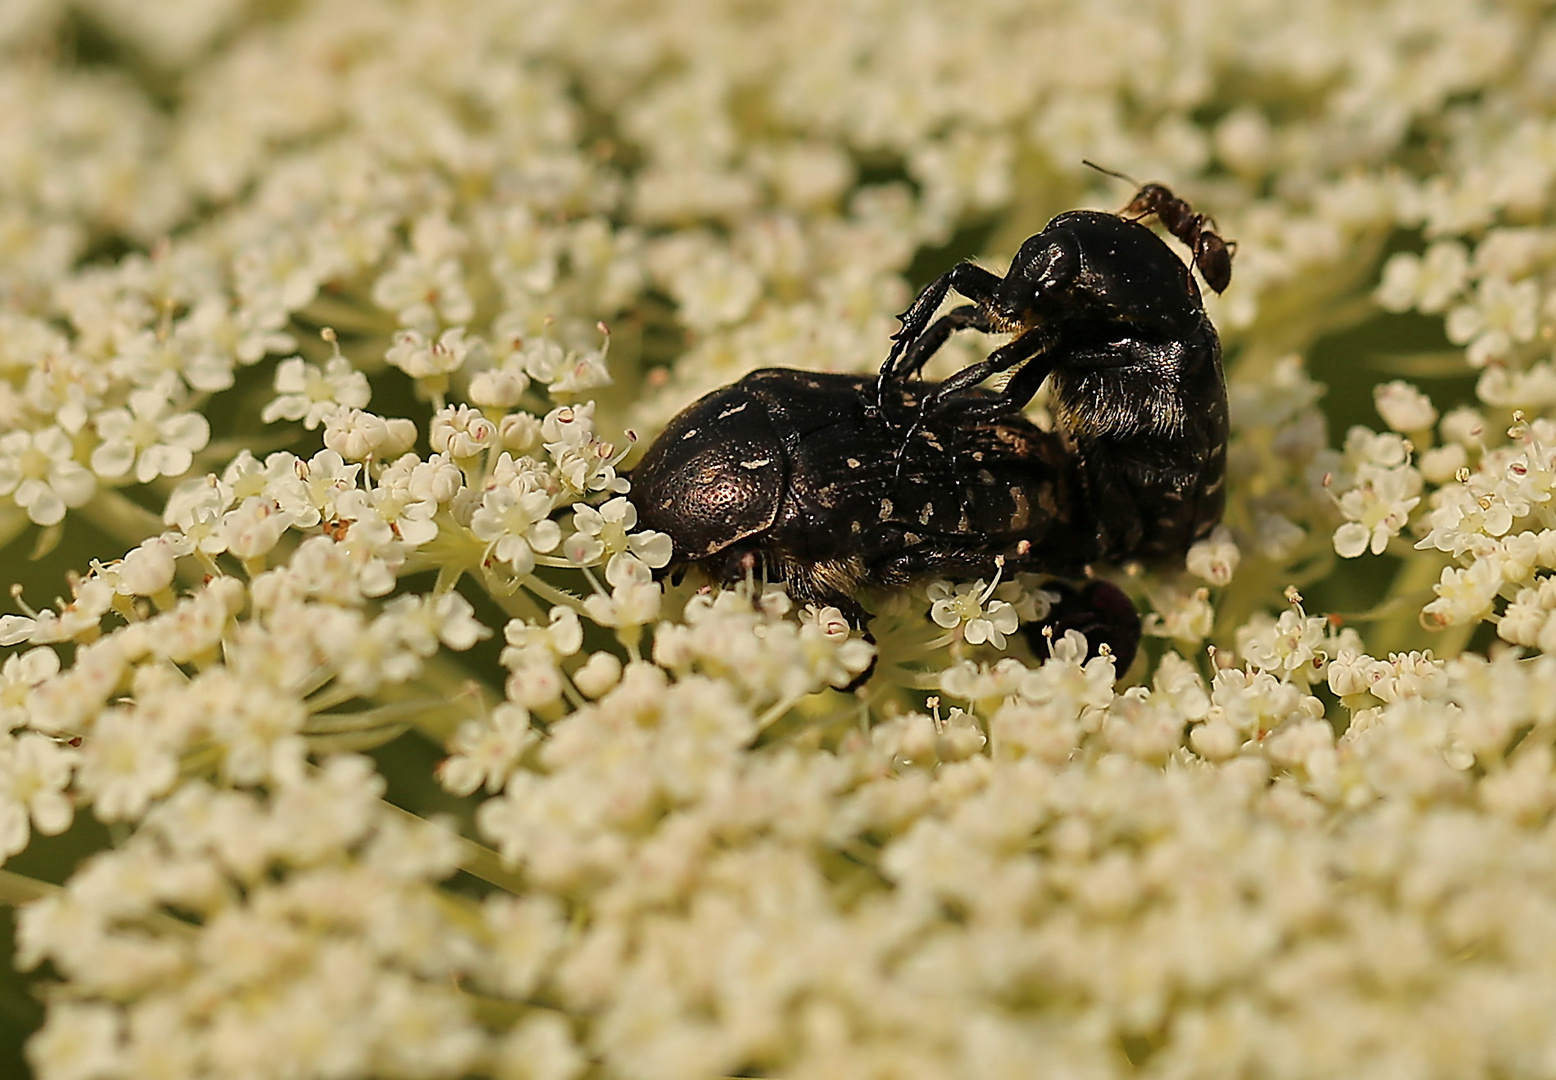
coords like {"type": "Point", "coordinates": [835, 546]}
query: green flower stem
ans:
{"type": "Point", "coordinates": [478, 861]}
{"type": "Point", "coordinates": [120, 517]}
{"type": "Point", "coordinates": [1398, 628]}
{"type": "Point", "coordinates": [18, 889]}
{"type": "Point", "coordinates": [13, 522]}
{"type": "Point", "coordinates": [555, 595]}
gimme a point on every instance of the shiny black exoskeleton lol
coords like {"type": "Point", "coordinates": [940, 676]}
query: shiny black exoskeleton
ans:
{"type": "Point", "coordinates": [788, 476]}
{"type": "Point", "coordinates": [834, 483]}
{"type": "Point", "coordinates": [1108, 315]}
{"type": "Point", "coordinates": [1100, 610]}
{"type": "Point", "coordinates": [1212, 254]}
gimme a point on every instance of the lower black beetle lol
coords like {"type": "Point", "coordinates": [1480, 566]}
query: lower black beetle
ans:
{"type": "Point", "coordinates": [1113, 320]}
{"type": "Point", "coordinates": [788, 476]}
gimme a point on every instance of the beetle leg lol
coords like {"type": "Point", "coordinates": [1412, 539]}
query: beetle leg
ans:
{"type": "Point", "coordinates": [914, 320]}
{"type": "Point", "coordinates": [1100, 610]}
{"type": "Point", "coordinates": [1032, 350]}
{"type": "Point", "coordinates": [953, 559]}
{"type": "Point", "coordinates": [969, 279]}
{"type": "Point", "coordinates": [906, 357]}
{"type": "Point", "coordinates": [918, 352]}
{"type": "Point", "coordinates": [1016, 393]}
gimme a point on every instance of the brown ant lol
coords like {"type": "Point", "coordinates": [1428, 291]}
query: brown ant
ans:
{"type": "Point", "coordinates": [1212, 254]}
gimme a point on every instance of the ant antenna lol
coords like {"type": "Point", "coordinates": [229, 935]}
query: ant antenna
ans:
{"type": "Point", "coordinates": [1114, 173]}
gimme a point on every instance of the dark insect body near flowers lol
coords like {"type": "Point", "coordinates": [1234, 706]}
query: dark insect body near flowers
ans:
{"type": "Point", "coordinates": [788, 476]}
{"type": "Point", "coordinates": [836, 484]}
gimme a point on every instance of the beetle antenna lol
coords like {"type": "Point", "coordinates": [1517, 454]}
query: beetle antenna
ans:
{"type": "Point", "coordinates": [1110, 172]}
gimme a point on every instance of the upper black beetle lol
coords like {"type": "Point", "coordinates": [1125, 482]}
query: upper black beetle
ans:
{"type": "Point", "coordinates": [788, 476]}
{"type": "Point", "coordinates": [1106, 309]}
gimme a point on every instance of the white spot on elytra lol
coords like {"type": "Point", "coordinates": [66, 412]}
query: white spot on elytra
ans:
{"type": "Point", "coordinates": [1023, 511]}
{"type": "Point", "coordinates": [689, 433]}
{"type": "Point", "coordinates": [853, 463]}
{"type": "Point", "coordinates": [757, 464]}
{"type": "Point", "coordinates": [732, 412]}
{"type": "Point", "coordinates": [885, 509]}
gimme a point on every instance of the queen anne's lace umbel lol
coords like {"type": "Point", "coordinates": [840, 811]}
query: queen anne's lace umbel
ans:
{"type": "Point", "coordinates": [327, 332]}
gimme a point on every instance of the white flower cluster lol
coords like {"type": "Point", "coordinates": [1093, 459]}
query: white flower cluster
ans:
{"type": "Point", "coordinates": [247, 990]}
{"type": "Point", "coordinates": [325, 329]}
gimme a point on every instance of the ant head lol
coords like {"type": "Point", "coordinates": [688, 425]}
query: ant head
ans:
{"type": "Point", "coordinates": [1150, 198]}
{"type": "Point", "coordinates": [1158, 199]}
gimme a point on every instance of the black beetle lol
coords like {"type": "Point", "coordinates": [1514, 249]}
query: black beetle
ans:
{"type": "Point", "coordinates": [789, 476]}
{"type": "Point", "coordinates": [836, 483]}
{"type": "Point", "coordinates": [1113, 319]}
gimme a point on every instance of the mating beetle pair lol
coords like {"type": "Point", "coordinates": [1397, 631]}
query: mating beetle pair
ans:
{"type": "Point", "coordinates": [837, 483]}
